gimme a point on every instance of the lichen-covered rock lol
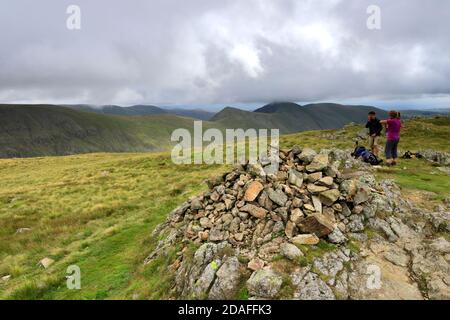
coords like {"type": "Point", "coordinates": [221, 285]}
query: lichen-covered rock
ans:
{"type": "Point", "coordinates": [319, 163]}
{"type": "Point", "coordinates": [337, 237]}
{"type": "Point", "coordinates": [311, 287]}
{"type": "Point", "coordinates": [264, 283]}
{"type": "Point", "coordinates": [329, 197]}
{"type": "Point", "coordinates": [202, 285]}
{"type": "Point", "coordinates": [227, 280]}
{"type": "Point", "coordinates": [307, 155]}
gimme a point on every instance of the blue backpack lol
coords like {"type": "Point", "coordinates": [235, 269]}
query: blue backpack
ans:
{"type": "Point", "coordinates": [366, 155]}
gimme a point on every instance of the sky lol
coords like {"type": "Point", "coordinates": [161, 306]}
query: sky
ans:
{"type": "Point", "coordinates": [226, 52]}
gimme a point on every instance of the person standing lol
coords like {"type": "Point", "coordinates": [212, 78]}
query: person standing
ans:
{"type": "Point", "coordinates": [375, 128]}
{"type": "Point", "coordinates": [393, 127]}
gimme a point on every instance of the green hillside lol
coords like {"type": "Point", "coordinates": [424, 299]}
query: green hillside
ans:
{"type": "Point", "coordinates": [290, 117]}
{"type": "Point", "coordinates": [28, 131]}
{"type": "Point", "coordinates": [49, 130]}
{"type": "Point", "coordinates": [97, 211]}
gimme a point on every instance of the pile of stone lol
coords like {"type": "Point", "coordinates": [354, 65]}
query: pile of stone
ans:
{"type": "Point", "coordinates": [250, 216]}
{"type": "Point", "coordinates": [307, 199]}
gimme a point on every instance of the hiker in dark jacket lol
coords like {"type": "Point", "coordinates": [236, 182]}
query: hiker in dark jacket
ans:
{"type": "Point", "coordinates": [375, 128]}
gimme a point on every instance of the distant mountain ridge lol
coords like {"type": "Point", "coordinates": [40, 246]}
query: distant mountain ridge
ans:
{"type": "Point", "coordinates": [411, 113]}
{"type": "Point", "coordinates": [144, 110]}
{"type": "Point", "coordinates": [290, 117]}
{"type": "Point", "coordinates": [47, 130]}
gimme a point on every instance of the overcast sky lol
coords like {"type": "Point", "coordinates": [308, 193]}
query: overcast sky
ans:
{"type": "Point", "coordinates": [217, 52]}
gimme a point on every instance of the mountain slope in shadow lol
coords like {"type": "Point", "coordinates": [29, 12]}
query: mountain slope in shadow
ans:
{"type": "Point", "coordinates": [290, 117]}
{"type": "Point", "coordinates": [47, 130]}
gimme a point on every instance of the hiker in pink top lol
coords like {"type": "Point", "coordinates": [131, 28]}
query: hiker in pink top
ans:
{"type": "Point", "coordinates": [393, 127]}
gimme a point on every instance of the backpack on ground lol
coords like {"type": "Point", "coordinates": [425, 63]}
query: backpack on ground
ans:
{"type": "Point", "coordinates": [410, 155]}
{"type": "Point", "coordinates": [366, 155]}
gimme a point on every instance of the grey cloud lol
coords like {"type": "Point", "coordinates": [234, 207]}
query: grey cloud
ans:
{"type": "Point", "coordinates": [203, 51]}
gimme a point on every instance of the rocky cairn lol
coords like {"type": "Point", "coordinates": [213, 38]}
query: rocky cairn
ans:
{"type": "Point", "coordinates": [250, 219]}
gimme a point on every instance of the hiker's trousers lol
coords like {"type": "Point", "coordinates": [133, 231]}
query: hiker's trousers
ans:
{"type": "Point", "coordinates": [391, 149]}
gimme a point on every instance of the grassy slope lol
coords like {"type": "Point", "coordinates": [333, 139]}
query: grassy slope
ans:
{"type": "Point", "coordinates": [97, 211]}
{"type": "Point", "coordinates": [27, 131]}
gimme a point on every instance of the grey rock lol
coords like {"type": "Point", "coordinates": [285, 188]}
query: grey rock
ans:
{"type": "Point", "coordinates": [326, 181]}
{"type": "Point", "coordinates": [205, 281]}
{"type": "Point", "coordinates": [290, 251]}
{"type": "Point", "coordinates": [243, 215]}
{"type": "Point", "coordinates": [196, 204]}
{"type": "Point", "coordinates": [295, 178]}
{"type": "Point", "coordinates": [311, 287]}
{"type": "Point", "coordinates": [319, 163]}
{"type": "Point", "coordinates": [440, 245]}
{"type": "Point", "coordinates": [317, 203]}
{"type": "Point", "coordinates": [397, 257]}
{"type": "Point", "coordinates": [264, 283]}
{"type": "Point", "coordinates": [356, 225]}
{"type": "Point", "coordinates": [205, 223]}
{"type": "Point", "coordinates": [362, 237]}
{"type": "Point", "coordinates": [278, 227]}
{"type": "Point", "coordinates": [307, 155]}
{"type": "Point", "coordinates": [329, 197]}
{"type": "Point", "coordinates": [255, 211]}
{"type": "Point", "coordinates": [264, 201]}
{"type": "Point", "coordinates": [348, 188]}
{"type": "Point", "coordinates": [330, 264]}
{"type": "Point", "coordinates": [296, 150]}
{"type": "Point", "coordinates": [441, 158]}
{"type": "Point", "coordinates": [290, 229]}
{"type": "Point", "coordinates": [227, 280]}
{"type": "Point", "coordinates": [313, 177]}
{"type": "Point", "coordinates": [256, 170]}
{"type": "Point", "coordinates": [216, 234]}
{"type": "Point", "coordinates": [346, 210]}
{"type": "Point", "coordinates": [296, 215]}
{"type": "Point", "coordinates": [277, 196]}
{"type": "Point", "coordinates": [362, 195]}
{"type": "Point", "coordinates": [379, 224]}
{"type": "Point", "coordinates": [337, 237]}
{"type": "Point", "coordinates": [314, 189]}
{"type": "Point", "coordinates": [297, 202]}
